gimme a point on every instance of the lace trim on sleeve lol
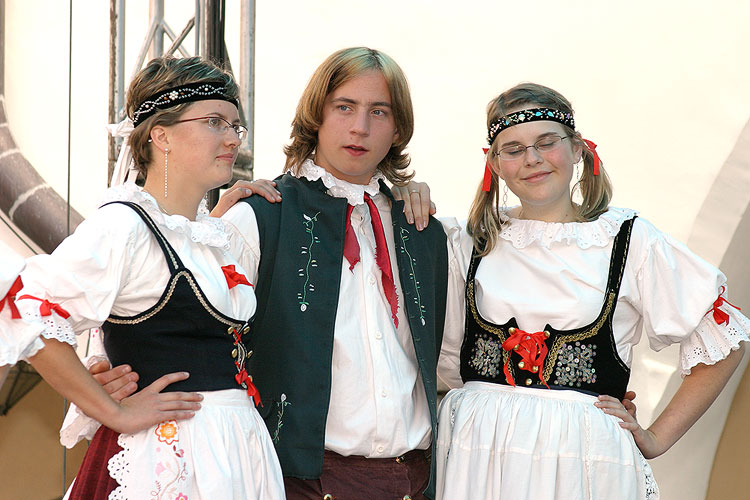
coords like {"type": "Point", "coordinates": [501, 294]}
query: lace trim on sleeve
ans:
{"type": "Point", "coordinates": [712, 342]}
{"type": "Point", "coordinates": [54, 326]}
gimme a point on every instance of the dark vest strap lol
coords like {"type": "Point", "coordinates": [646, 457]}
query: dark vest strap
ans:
{"type": "Point", "coordinates": [619, 257]}
{"type": "Point", "coordinates": [173, 260]}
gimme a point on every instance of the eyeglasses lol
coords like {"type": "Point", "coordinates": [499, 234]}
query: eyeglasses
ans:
{"type": "Point", "coordinates": [220, 125]}
{"type": "Point", "coordinates": [543, 145]}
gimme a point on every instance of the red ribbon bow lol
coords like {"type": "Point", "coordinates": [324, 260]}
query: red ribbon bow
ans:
{"type": "Point", "coordinates": [592, 147]}
{"type": "Point", "coordinates": [487, 180]}
{"type": "Point", "coordinates": [10, 299]}
{"type": "Point", "coordinates": [46, 307]}
{"type": "Point", "coordinates": [532, 349]}
{"type": "Point", "coordinates": [233, 277]}
{"type": "Point", "coordinates": [246, 380]}
{"type": "Point", "coordinates": [720, 316]}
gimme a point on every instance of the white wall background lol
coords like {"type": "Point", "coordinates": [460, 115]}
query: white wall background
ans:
{"type": "Point", "coordinates": [661, 87]}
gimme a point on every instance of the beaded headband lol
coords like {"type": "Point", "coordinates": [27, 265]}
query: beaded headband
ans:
{"type": "Point", "coordinates": [528, 115]}
{"type": "Point", "coordinates": [199, 91]}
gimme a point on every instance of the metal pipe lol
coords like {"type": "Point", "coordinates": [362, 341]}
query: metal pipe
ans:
{"type": "Point", "coordinates": [177, 41]}
{"type": "Point", "coordinates": [247, 77]}
{"type": "Point", "coordinates": [156, 10]}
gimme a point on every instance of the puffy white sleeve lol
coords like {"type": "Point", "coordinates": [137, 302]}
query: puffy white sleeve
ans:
{"type": "Point", "coordinates": [74, 288]}
{"type": "Point", "coordinates": [684, 300]}
{"type": "Point", "coordinates": [449, 368]}
{"type": "Point", "coordinates": [242, 227]}
{"type": "Point", "coordinates": [18, 340]}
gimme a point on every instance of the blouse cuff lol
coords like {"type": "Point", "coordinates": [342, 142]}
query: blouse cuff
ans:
{"type": "Point", "coordinates": [77, 425]}
{"type": "Point", "coordinates": [53, 326]}
{"type": "Point", "coordinates": [19, 341]}
{"type": "Point", "coordinates": [711, 342]}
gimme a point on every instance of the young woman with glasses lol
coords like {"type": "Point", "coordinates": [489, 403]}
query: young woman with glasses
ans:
{"type": "Point", "coordinates": [168, 287]}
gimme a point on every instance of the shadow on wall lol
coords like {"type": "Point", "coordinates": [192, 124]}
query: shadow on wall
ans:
{"type": "Point", "coordinates": [722, 234]}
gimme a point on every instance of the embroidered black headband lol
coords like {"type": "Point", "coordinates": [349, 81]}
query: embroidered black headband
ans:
{"type": "Point", "coordinates": [528, 115]}
{"type": "Point", "coordinates": [199, 91]}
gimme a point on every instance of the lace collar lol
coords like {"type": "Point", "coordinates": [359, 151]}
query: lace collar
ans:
{"type": "Point", "coordinates": [354, 193]}
{"type": "Point", "coordinates": [522, 233]}
{"type": "Point", "coordinates": [204, 230]}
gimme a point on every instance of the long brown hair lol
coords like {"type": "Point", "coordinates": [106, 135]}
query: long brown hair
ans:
{"type": "Point", "coordinates": [339, 68]}
{"type": "Point", "coordinates": [484, 222]}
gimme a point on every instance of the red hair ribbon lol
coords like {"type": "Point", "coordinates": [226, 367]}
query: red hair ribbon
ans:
{"type": "Point", "coordinates": [532, 349]}
{"type": "Point", "coordinates": [592, 148]}
{"type": "Point", "coordinates": [10, 299]}
{"type": "Point", "coordinates": [46, 307]}
{"type": "Point", "coordinates": [487, 181]}
{"type": "Point", "coordinates": [720, 316]}
{"type": "Point", "coordinates": [233, 277]}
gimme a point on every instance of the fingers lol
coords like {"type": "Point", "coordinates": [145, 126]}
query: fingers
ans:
{"type": "Point", "coordinates": [119, 382]}
{"type": "Point", "coordinates": [265, 188]}
{"type": "Point", "coordinates": [170, 378]}
{"type": "Point", "coordinates": [243, 189]}
{"type": "Point", "coordinates": [612, 406]}
{"type": "Point", "coordinates": [630, 395]}
{"type": "Point", "coordinates": [425, 205]}
{"type": "Point", "coordinates": [100, 367]}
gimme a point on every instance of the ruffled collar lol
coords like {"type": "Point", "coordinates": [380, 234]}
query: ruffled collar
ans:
{"type": "Point", "coordinates": [354, 193]}
{"type": "Point", "coordinates": [204, 230]}
{"type": "Point", "coordinates": [598, 233]}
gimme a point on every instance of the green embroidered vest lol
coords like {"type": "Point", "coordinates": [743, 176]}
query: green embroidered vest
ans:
{"type": "Point", "coordinates": [302, 246]}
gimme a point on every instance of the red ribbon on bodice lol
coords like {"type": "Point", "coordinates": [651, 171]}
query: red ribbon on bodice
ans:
{"type": "Point", "coordinates": [532, 349]}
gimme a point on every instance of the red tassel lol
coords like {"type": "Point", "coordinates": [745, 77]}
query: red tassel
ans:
{"type": "Point", "coordinates": [246, 381]}
{"type": "Point", "coordinates": [487, 181]}
{"type": "Point", "coordinates": [592, 148]}
{"type": "Point", "coordinates": [233, 277]}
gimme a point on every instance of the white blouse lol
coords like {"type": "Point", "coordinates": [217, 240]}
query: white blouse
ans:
{"type": "Point", "coordinates": [112, 264]}
{"type": "Point", "coordinates": [556, 273]}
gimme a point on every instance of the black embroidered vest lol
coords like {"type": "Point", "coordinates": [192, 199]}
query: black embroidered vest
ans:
{"type": "Point", "coordinates": [583, 359]}
{"type": "Point", "coordinates": [302, 247]}
{"type": "Point", "coordinates": [181, 332]}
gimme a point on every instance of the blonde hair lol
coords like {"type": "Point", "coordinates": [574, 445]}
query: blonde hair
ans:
{"type": "Point", "coordinates": [484, 222]}
{"type": "Point", "coordinates": [336, 70]}
{"type": "Point", "coordinates": [159, 75]}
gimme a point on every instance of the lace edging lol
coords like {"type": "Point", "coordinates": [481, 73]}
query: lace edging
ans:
{"type": "Point", "coordinates": [354, 193]}
{"type": "Point", "coordinates": [205, 230]}
{"type": "Point", "coordinates": [118, 466]}
{"type": "Point", "coordinates": [522, 233]}
{"type": "Point", "coordinates": [711, 343]}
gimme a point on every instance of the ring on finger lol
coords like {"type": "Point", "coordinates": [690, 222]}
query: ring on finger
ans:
{"type": "Point", "coordinates": [412, 191]}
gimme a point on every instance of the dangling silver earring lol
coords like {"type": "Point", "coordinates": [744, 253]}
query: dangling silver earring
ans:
{"type": "Point", "coordinates": [166, 154]}
{"type": "Point", "coordinates": [578, 174]}
{"type": "Point", "coordinates": [505, 197]}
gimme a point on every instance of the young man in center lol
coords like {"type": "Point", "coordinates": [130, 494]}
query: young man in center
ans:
{"type": "Point", "coordinates": [351, 298]}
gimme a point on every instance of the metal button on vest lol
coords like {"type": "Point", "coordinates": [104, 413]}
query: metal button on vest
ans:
{"type": "Point", "coordinates": [528, 381]}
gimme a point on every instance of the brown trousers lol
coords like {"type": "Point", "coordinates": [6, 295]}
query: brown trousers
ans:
{"type": "Point", "coordinates": [359, 478]}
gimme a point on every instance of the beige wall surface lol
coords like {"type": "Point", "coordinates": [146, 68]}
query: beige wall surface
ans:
{"type": "Point", "coordinates": [661, 87]}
